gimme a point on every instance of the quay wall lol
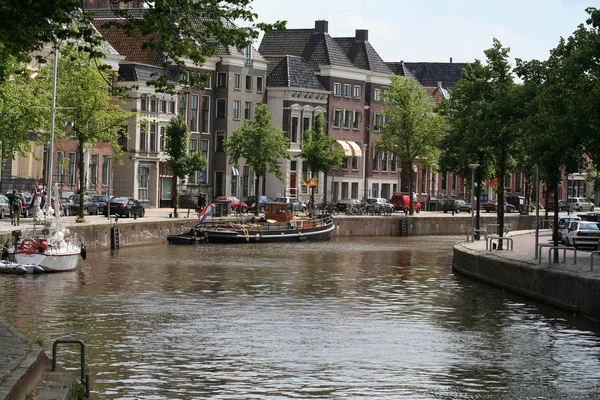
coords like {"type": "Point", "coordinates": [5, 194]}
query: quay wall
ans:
{"type": "Point", "coordinates": [144, 231]}
{"type": "Point", "coordinates": [568, 290]}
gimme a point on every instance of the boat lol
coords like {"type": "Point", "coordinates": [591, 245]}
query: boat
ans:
{"type": "Point", "coordinates": [11, 267]}
{"type": "Point", "coordinates": [193, 236]}
{"type": "Point", "coordinates": [278, 225]}
{"type": "Point", "coordinates": [48, 243]}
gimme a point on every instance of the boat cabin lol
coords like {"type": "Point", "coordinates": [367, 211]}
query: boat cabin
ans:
{"type": "Point", "coordinates": [280, 212]}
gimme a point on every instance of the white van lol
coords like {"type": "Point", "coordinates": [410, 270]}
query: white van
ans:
{"type": "Point", "coordinates": [580, 204]}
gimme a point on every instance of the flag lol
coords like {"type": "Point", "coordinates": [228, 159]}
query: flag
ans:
{"type": "Point", "coordinates": [207, 212]}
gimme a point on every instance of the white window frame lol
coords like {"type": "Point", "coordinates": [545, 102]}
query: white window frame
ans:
{"type": "Point", "coordinates": [222, 79]}
{"type": "Point", "coordinates": [236, 110]}
{"type": "Point", "coordinates": [340, 112]}
{"type": "Point", "coordinates": [248, 110]}
{"type": "Point", "coordinates": [347, 90]}
{"type": "Point", "coordinates": [260, 87]}
{"type": "Point", "coordinates": [357, 91]}
{"type": "Point", "coordinates": [348, 114]}
{"type": "Point", "coordinates": [237, 81]}
{"type": "Point", "coordinates": [337, 89]}
{"type": "Point", "coordinates": [248, 80]}
{"type": "Point", "coordinates": [377, 95]}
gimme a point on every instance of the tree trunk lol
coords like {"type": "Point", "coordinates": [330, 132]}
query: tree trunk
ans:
{"type": "Point", "coordinates": [257, 203]}
{"type": "Point", "coordinates": [81, 168]}
{"type": "Point", "coordinates": [410, 189]}
{"type": "Point", "coordinates": [175, 197]}
{"type": "Point", "coordinates": [555, 227]}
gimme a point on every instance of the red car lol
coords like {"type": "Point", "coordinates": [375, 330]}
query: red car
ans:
{"type": "Point", "coordinates": [235, 202]}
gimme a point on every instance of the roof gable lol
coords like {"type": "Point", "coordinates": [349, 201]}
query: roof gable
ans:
{"type": "Point", "coordinates": [293, 72]}
{"type": "Point", "coordinates": [362, 55]}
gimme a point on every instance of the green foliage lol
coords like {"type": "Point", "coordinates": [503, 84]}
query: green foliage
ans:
{"type": "Point", "coordinates": [318, 151]}
{"type": "Point", "coordinates": [19, 110]}
{"type": "Point", "coordinates": [179, 162]}
{"type": "Point", "coordinates": [83, 99]}
{"type": "Point", "coordinates": [412, 129]}
{"type": "Point", "coordinates": [262, 144]}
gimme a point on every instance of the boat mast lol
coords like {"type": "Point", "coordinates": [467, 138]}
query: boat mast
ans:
{"type": "Point", "coordinates": [52, 117]}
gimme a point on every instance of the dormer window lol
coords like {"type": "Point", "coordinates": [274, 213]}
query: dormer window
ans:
{"type": "Point", "coordinates": [248, 55]}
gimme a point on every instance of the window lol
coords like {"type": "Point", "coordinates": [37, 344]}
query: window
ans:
{"type": "Point", "coordinates": [237, 81]}
{"type": "Point", "coordinates": [357, 120]}
{"type": "Point", "coordinates": [337, 89]}
{"type": "Point", "coordinates": [204, 149]}
{"type": "Point", "coordinates": [379, 121]}
{"type": "Point", "coordinates": [183, 104]}
{"type": "Point", "coordinates": [354, 163]}
{"type": "Point", "coordinates": [205, 114]}
{"type": "Point", "coordinates": [356, 91]}
{"type": "Point", "coordinates": [375, 164]}
{"type": "Point", "coordinates": [221, 108]}
{"type": "Point", "coordinates": [245, 180]}
{"type": "Point", "coordinates": [153, 105]}
{"type": "Point", "coordinates": [423, 180]}
{"type": "Point", "coordinates": [377, 95]}
{"type": "Point", "coordinates": [394, 163]}
{"type": "Point", "coordinates": [248, 110]}
{"type": "Point", "coordinates": [384, 162]}
{"type": "Point", "coordinates": [193, 148]}
{"type": "Point", "coordinates": [123, 137]}
{"type": "Point", "coordinates": [71, 169]}
{"type": "Point", "coordinates": [208, 81]}
{"type": "Point", "coordinates": [222, 79]}
{"type": "Point", "coordinates": [248, 83]}
{"type": "Point", "coordinates": [375, 190]}
{"type": "Point", "coordinates": [144, 105]}
{"type": "Point", "coordinates": [294, 130]}
{"type": "Point", "coordinates": [347, 90]}
{"type": "Point", "coordinates": [194, 113]}
{"type": "Point", "coordinates": [94, 170]}
{"type": "Point", "coordinates": [337, 118]}
{"type": "Point", "coordinates": [143, 137]}
{"type": "Point", "coordinates": [220, 140]}
{"type": "Point", "coordinates": [345, 163]}
{"type": "Point", "coordinates": [143, 180]}
{"type": "Point", "coordinates": [162, 106]}
{"type": "Point", "coordinates": [347, 119]}
{"type": "Point", "coordinates": [248, 55]}
{"type": "Point", "coordinates": [172, 106]}
{"type": "Point", "coordinates": [153, 137]}
{"type": "Point", "coordinates": [60, 167]}
{"type": "Point", "coordinates": [259, 84]}
{"type": "Point", "coordinates": [105, 170]}
{"type": "Point", "coordinates": [305, 124]}
{"type": "Point", "coordinates": [163, 138]}
{"type": "Point", "coordinates": [236, 109]}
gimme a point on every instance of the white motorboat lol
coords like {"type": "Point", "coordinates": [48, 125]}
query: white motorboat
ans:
{"type": "Point", "coordinates": [11, 267]}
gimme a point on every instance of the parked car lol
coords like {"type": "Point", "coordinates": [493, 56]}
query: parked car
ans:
{"type": "Point", "coordinates": [563, 223]}
{"type": "Point", "coordinates": [519, 202]}
{"type": "Point", "coordinates": [126, 207]}
{"type": "Point", "coordinates": [382, 204]}
{"type": "Point", "coordinates": [401, 202]}
{"type": "Point", "coordinates": [563, 205]}
{"type": "Point", "coordinates": [342, 204]}
{"type": "Point", "coordinates": [64, 207]}
{"type": "Point", "coordinates": [4, 206]}
{"type": "Point", "coordinates": [583, 233]}
{"type": "Point", "coordinates": [456, 205]}
{"type": "Point", "coordinates": [492, 206]}
{"type": "Point", "coordinates": [580, 204]}
{"type": "Point", "coordinates": [235, 202]}
{"type": "Point", "coordinates": [90, 206]}
{"type": "Point", "coordinates": [26, 199]}
{"type": "Point", "coordinates": [296, 204]}
{"type": "Point", "coordinates": [102, 201]}
{"type": "Point", "coordinates": [251, 201]}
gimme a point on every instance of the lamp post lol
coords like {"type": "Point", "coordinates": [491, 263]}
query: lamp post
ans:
{"type": "Point", "coordinates": [473, 168]}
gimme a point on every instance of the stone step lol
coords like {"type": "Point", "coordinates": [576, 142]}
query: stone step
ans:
{"type": "Point", "coordinates": [55, 385]}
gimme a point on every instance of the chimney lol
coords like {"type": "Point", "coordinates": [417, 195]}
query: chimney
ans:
{"type": "Point", "coordinates": [450, 60]}
{"type": "Point", "coordinates": [321, 26]}
{"type": "Point", "coordinates": [439, 85]}
{"type": "Point", "coordinates": [362, 35]}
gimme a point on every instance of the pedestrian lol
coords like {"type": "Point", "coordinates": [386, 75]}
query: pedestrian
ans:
{"type": "Point", "coordinates": [201, 202]}
{"type": "Point", "coordinates": [35, 209]}
{"type": "Point", "coordinates": [43, 201]}
{"type": "Point", "coordinates": [10, 206]}
{"type": "Point", "coordinates": [16, 209]}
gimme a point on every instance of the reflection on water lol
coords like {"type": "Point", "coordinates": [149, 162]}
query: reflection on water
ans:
{"type": "Point", "coordinates": [361, 317]}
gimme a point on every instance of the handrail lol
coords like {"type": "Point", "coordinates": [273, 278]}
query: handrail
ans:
{"type": "Point", "coordinates": [85, 379]}
{"type": "Point", "coordinates": [490, 238]}
{"type": "Point", "coordinates": [552, 247]}
{"type": "Point", "coordinates": [471, 234]}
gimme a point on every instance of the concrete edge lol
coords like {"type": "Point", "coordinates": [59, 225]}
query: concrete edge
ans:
{"type": "Point", "coordinates": [25, 378]}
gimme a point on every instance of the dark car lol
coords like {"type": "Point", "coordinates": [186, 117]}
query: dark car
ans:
{"type": "Point", "coordinates": [235, 203]}
{"type": "Point", "coordinates": [345, 203]}
{"type": "Point", "coordinates": [102, 201]}
{"type": "Point", "coordinates": [251, 201]}
{"type": "Point", "coordinates": [492, 206]}
{"type": "Point", "coordinates": [454, 205]}
{"type": "Point", "coordinates": [126, 207]}
{"type": "Point", "coordinates": [90, 206]}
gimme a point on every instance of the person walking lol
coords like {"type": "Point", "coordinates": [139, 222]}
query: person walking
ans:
{"type": "Point", "coordinates": [16, 210]}
{"type": "Point", "coordinates": [35, 209]}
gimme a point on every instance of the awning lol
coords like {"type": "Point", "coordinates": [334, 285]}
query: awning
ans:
{"type": "Point", "coordinates": [351, 149]}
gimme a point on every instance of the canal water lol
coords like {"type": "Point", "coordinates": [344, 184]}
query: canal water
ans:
{"type": "Point", "coordinates": [377, 318]}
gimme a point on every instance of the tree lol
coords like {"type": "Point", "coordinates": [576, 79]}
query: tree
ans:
{"type": "Point", "coordinates": [262, 144]}
{"type": "Point", "coordinates": [84, 99]}
{"type": "Point", "coordinates": [319, 153]}
{"type": "Point", "coordinates": [180, 30]}
{"type": "Point", "coordinates": [179, 162]}
{"type": "Point", "coordinates": [412, 129]}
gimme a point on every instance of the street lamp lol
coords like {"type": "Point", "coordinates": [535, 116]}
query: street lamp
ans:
{"type": "Point", "coordinates": [473, 168]}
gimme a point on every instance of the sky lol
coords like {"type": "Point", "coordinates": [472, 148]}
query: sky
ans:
{"type": "Point", "coordinates": [437, 30]}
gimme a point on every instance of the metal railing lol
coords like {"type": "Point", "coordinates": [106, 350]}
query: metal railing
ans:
{"type": "Point", "coordinates": [490, 239]}
{"type": "Point", "coordinates": [85, 379]}
{"type": "Point", "coordinates": [472, 232]}
{"type": "Point", "coordinates": [551, 247]}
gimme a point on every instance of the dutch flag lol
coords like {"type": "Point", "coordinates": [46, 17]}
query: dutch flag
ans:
{"type": "Point", "coordinates": [207, 212]}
